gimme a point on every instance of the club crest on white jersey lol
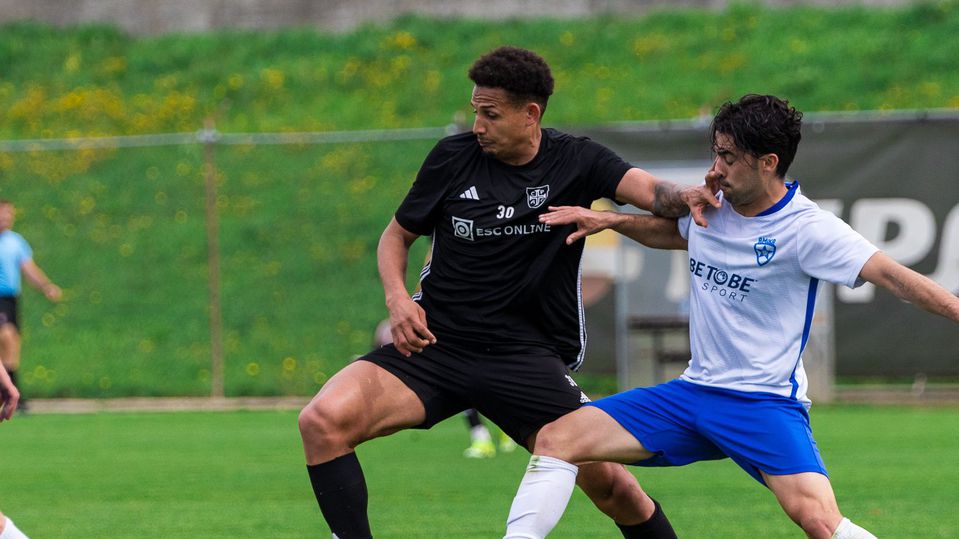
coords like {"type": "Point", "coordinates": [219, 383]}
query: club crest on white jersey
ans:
{"type": "Point", "coordinates": [765, 250]}
{"type": "Point", "coordinates": [536, 196]}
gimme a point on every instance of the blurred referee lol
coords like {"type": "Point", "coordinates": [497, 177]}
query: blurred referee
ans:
{"type": "Point", "coordinates": [499, 319]}
{"type": "Point", "coordinates": [16, 258]}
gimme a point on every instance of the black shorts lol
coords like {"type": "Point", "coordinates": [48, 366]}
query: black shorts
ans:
{"type": "Point", "coordinates": [518, 387]}
{"type": "Point", "coordinates": [8, 311]}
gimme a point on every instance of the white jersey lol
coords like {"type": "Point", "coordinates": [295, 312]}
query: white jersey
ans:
{"type": "Point", "coordinates": [752, 291]}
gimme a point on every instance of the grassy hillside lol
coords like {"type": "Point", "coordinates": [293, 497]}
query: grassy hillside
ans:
{"type": "Point", "coordinates": [123, 230]}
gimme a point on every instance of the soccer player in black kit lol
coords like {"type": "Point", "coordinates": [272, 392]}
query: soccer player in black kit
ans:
{"type": "Point", "coordinates": [498, 319]}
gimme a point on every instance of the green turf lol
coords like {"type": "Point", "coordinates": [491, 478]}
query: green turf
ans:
{"type": "Point", "coordinates": [241, 474]}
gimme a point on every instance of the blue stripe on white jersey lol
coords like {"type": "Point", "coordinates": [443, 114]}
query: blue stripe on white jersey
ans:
{"type": "Point", "coordinates": [807, 325]}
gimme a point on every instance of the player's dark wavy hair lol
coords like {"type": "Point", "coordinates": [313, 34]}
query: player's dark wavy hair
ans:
{"type": "Point", "coordinates": [760, 125]}
{"type": "Point", "coordinates": [522, 73]}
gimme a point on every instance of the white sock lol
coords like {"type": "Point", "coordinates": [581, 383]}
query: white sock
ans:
{"type": "Point", "coordinates": [479, 433]}
{"type": "Point", "coordinates": [10, 531]}
{"type": "Point", "coordinates": [541, 498]}
{"type": "Point", "coordinates": [848, 530]}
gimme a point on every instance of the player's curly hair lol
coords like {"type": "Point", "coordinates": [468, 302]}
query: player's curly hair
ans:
{"type": "Point", "coordinates": [522, 73]}
{"type": "Point", "coordinates": [760, 125]}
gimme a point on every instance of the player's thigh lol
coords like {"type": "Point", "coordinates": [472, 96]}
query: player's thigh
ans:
{"type": "Point", "coordinates": [589, 434]}
{"type": "Point", "coordinates": [522, 389]}
{"type": "Point", "coordinates": [366, 401]}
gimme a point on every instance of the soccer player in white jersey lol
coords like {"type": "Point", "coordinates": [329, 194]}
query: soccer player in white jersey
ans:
{"type": "Point", "coordinates": [753, 278]}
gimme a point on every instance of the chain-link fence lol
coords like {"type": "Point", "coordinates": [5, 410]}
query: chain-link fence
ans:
{"type": "Point", "coordinates": [204, 263]}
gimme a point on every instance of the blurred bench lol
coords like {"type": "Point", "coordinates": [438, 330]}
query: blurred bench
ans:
{"type": "Point", "coordinates": [665, 351]}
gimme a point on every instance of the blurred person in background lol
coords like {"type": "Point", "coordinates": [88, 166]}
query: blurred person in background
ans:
{"type": "Point", "coordinates": [9, 395]}
{"type": "Point", "coordinates": [16, 258]}
{"type": "Point", "coordinates": [498, 320]}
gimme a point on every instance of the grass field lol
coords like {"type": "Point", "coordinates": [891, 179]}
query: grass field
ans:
{"type": "Point", "coordinates": [241, 474]}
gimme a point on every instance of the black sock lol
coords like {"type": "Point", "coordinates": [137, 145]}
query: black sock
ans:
{"type": "Point", "coordinates": [472, 418]}
{"type": "Point", "coordinates": [340, 490]}
{"type": "Point", "coordinates": [657, 527]}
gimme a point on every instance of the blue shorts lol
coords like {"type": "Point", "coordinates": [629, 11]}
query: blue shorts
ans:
{"type": "Point", "coordinates": [682, 422]}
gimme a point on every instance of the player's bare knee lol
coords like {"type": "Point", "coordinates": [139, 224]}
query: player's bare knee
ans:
{"type": "Point", "coordinates": [320, 425]}
{"type": "Point", "coordinates": [817, 519]}
{"type": "Point", "coordinates": [553, 441]}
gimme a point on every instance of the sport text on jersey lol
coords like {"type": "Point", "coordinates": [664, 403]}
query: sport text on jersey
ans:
{"type": "Point", "coordinates": [723, 283]}
{"type": "Point", "coordinates": [466, 229]}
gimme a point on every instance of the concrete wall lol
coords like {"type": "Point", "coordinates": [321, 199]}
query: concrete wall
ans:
{"type": "Point", "coordinates": [146, 17]}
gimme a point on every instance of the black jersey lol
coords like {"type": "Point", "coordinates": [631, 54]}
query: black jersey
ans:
{"type": "Point", "coordinates": [496, 273]}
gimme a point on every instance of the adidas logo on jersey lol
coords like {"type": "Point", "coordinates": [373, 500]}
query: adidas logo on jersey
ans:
{"type": "Point", "coordinates": [470, 193]}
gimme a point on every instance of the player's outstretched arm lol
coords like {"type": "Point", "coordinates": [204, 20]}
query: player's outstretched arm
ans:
{"type": "Point", "coordinates": [665, 199]}
{"type": "Point", "coordinates": [39, 280]}
{"type": "Point", "coordinates": [9, 396]}
{"type": "Point", "coordinates": [911, 286]}
{"type": "Point", "coordinates": [651, 231]}
{"type": "Point", "coordinates": [407, 318]}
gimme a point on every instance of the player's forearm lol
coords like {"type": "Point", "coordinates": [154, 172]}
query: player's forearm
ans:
{"type": "Point", "coordinates": [392, 268]}
{"type": "Point", "coordinates": [392, 255]}
{"type": "Point", "coordinates": [37, 277]}
{"type": "Point", "coordinates": [911, 286]}
{"type": "Point", "coordinates": [649, 230]}
{"type": "Point", "coordinates": [924, 293]}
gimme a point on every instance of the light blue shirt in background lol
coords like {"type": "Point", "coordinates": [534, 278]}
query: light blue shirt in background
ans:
{"type": "Point", "coordinates": [14, 251]}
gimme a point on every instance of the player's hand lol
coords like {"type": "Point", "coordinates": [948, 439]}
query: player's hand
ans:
{"type": "Point", "coordinates": [9, 397]}
{"type": "Point", "coordinates": [52, 292]}
{"type": "Point", "coordinates": [587, 221]}
{"type": "Point", "coordinates": [700, 196]}
{"type": "Point", "coordinates": [408, 327]}
{"type": "Point", "coordinates": [712, 181]}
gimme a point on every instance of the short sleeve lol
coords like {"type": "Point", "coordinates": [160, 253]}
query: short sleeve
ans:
{"type": "Point", "coordinates": [25, 253]}
{"type": "Point", "coordinates": [683, 224]}
{"type": "Point", "coordinates": [830, 250]}
{"type": "Point", "coordinates": [607, 171]}
{"type": "Point", "coordinates": [420, 209]}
